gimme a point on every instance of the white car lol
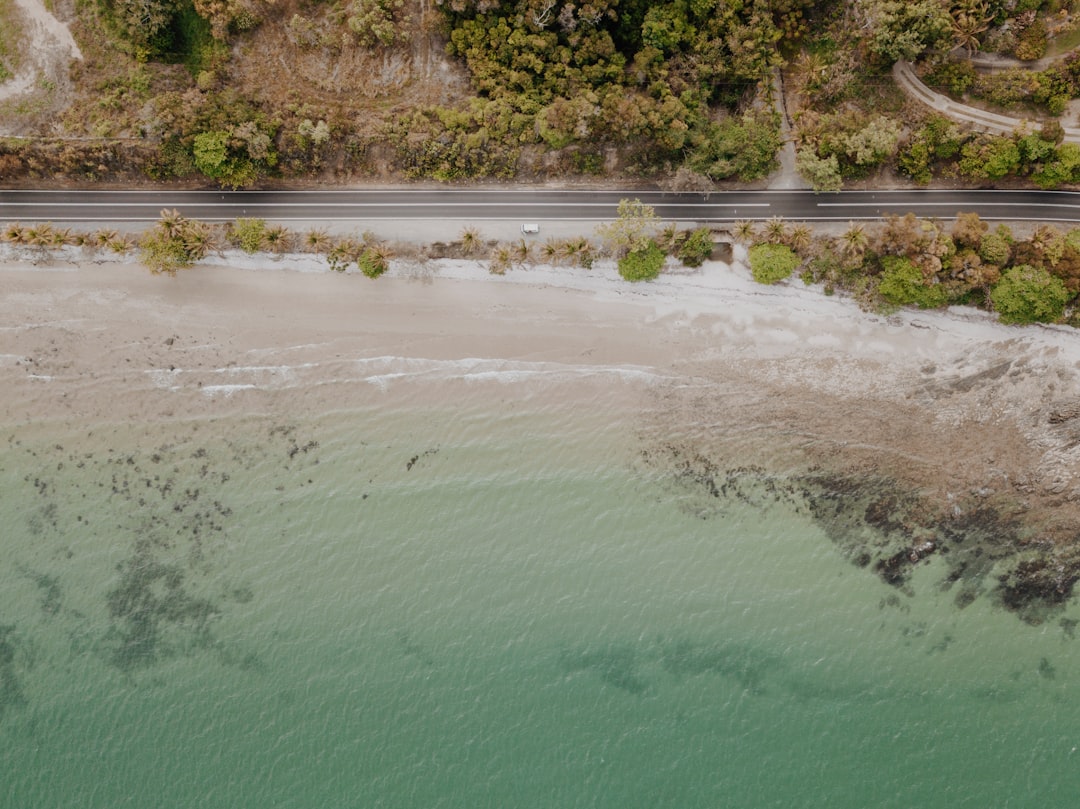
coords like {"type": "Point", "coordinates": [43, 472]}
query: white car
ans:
{"type": "Point", "coordinates": [530, 227]}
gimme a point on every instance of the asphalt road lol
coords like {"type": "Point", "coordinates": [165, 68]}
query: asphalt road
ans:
{"type": "Point", "coordinates": [528, 205]}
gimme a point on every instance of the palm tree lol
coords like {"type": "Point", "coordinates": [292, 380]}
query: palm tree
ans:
{"type": "Point", "coordinates": [197, 239]}
{"type": "Point", "coordinates": [969, 19]}
{"type": "Point", "coordinates": [745, 231]}
{"type": "Point", "coordinates": [13, 233]}
{"type": "Point", "coordinates": [278, 239]}
{"type": "Point", "coordinates": [40, 235]}
{"type": "Point", "coordinates": [800, 238]}
{"type": "Point", "coordinates": [471, 240]}
{"type": "Point", "coordinates": [776, 230]}
{"type": "Point", "coordinates": [668, 238]}
{"type": "Point", "coordinates": [119, 243]}
{"type": "Point", "coordinates": [854, 241]}
{"type": "Point", "coordinates": [171, 222]}
{"type": "Point", "coordinates": [317, 241]}
{"type": "Point", "coordinates": [499, 260]}
{"type": "Point", "coordinates": [102, 236]}
{"type": "Point", "coordinates": [551, 251]}
{"type": "Point", "coordinates": [521, 252]}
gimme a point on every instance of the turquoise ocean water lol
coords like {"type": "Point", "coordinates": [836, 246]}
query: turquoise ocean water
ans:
{"type": "Point", "coordinates": [476, 605]}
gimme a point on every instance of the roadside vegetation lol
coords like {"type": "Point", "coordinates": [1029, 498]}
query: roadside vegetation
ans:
{"type": "Point", "coordinates": [928, 264]}
{"type": "Point", "coordinates": [901, 262]}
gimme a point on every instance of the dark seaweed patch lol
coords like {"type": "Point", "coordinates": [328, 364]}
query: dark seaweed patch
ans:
{"type": "Point", "coordinates": [150, 599]}
{"type": "Point", "coordinates": [409, 464]}
{"type": "Point", "coordinates": [11, 691]}
{"type": "Point", "coordinates": [615, 664]}
{"type": "Point", "coordinates": [881, 525]}
{"type": "Point", "coordinates": [52, 596]}
{"type": "Point", "coordinates": [743, 664]}
{"type": "Point", "coordinates": [172, 498]}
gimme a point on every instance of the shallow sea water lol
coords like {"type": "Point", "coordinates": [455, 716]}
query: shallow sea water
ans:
{"type": "Point", "coordinates": [479, 606]}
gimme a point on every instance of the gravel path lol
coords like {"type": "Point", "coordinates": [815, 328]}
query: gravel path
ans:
{"type": "Point", "coordinates": [962, 113]}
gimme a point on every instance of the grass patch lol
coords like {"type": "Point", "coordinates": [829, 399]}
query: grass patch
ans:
{"type": "Point", "coordinates": [193, 44]}
{"type": "Point", "coordinates": [11, 35]}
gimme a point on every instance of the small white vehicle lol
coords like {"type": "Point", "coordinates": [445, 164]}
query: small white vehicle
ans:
{"type": "Point", "coordinates": [530, 227]}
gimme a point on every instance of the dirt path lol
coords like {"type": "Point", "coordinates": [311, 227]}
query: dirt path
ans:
{"type": "Point", "coordinates": [49, 46]}
{"type": "Point", "coordinates": [786, 176]}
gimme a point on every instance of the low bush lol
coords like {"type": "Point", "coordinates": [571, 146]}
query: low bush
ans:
{"type": "Point", "coordinates": [770, 263]}
{"type": "Point", "coordinates": [642, 265]}
{"type": "Point", "coordinates": [1027, 294]}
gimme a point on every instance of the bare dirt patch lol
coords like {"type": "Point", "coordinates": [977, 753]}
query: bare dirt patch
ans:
{"type": "Point", "coordinates": [41, 84]}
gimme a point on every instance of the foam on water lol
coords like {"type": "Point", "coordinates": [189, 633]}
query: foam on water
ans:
{"type": "Point", "coordinates": [464, 607]}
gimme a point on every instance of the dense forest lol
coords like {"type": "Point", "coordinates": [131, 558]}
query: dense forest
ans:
{"type": "Point", "coordinates": [684, 92]}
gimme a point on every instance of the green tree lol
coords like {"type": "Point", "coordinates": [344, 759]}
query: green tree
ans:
{"type": "Point", "coordinates": [874, 143]}
{"type": "Point", "coordinates": [632, 231]}
{"type": "Point", "coordinates": [770, 263]}
{"type": "Point", "coordinates": [822, 173]}
{"type": "Point", "coordinates": [990, 157]}
{"type": "Point", "coordinates": [373, 261]}
{"type": "Point", "coordinates": [234, 156]}
{"type": "Point", "coordinates": [1027, 294]}
{"type": "Point", "coordinates": [743, 147]}
{"type": "Point", "coordinates": [1063, 167]}
{"type": "Point", "coordinates": [903, 29]}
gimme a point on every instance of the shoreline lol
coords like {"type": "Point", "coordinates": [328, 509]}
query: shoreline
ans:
{"type": "Point", "coordinates": [919, 419]}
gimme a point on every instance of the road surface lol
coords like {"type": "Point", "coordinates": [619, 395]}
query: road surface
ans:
{"type": "Point", "coordinates": [477, 205]}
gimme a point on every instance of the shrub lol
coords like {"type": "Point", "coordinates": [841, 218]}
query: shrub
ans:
{"type": "Point", "coordinates": [1031, 44]}
{"type": "Point", "coordinates": [642, 265]}
{"type": "Point", "coordinates": [696, 248]}
{"type": "Point", "coordinates": [372, 262]}
{"type": "Point", "coordinates": [995, 248]}
{"type": "Point", "coordinates": [248, 234]}
{"type": "Point", "coordinates": [902, 283]}
{"type": "Point", "coordinates": [1027, 294]}
{"type": "Point", "coordinates": [174, 243]}
{"type": "Point", "coordinates": [770, 263]}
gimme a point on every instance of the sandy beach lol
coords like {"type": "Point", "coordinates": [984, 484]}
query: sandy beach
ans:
{"type": "Point", "coordinates": [951, 404]}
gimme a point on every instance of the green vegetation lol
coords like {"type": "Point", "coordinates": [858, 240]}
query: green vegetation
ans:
{"type": "Point", "coordinates": [906, 261]}
{"type": "Point", "coordinates": [174, 243]}
{"type": "Point", "coordinates": [1029, 294]}
{"type": "Point", "coordinates": [902, 283]}
{"type": "Point", "coordinates": [696, 247]}
{"type": "Point", "coordinates": [677, 92]}
{"type": "Point", "coordinates": [771, 262]}
{"type": "Point", "coordinates": [642, 264]}
{"type": "Point", "coordinates": [248, 234]}
{"type": "Point", "coordinates": [632, 231]}
{"type": "Point", "coordinates": [11, 37]}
